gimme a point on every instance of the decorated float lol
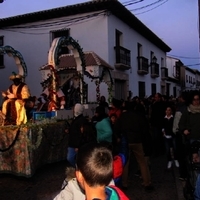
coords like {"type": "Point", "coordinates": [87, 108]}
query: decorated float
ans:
{"type": "Point", "coordinates": [25, 147]}
{"type": "Point", "coordinates": [80, 75]}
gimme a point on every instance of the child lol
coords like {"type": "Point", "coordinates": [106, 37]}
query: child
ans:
{"type": "Point", "coordinates": [94, 172]}
{"type": "Point", "coordinates": [195, 151]}
{"type": "Point", "coordinates": [169, 137]}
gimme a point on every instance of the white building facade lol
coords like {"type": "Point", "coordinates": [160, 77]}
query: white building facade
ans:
{"type": "Point", "coordinates": [105, 27]}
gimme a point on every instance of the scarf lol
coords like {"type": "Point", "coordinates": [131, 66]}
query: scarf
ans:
{"type": "Point", "coordinates": [194, 109]}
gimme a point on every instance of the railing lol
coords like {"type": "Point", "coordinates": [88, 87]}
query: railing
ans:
{"type": "Point", "coordinates": [123, 55]}
{"type": "Point", "coordinates": [143, 66]}
{"type": "Point", "coordinates": [164, 73]}
{"type": "Point", "coordinates": [154, 70]}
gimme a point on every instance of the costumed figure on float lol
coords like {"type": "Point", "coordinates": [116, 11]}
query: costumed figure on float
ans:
{"type": "Point", "coordinates": [52, 97]}
{"type": "Point", "coordinates": [16, 96]}
{"type": "Point", "coordinates": [46, 102]}
{"type": "Point", "coordinates": [73, 93]}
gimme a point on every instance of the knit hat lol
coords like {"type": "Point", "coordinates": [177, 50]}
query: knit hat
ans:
{"type": "Point", "coordinates": [78, 109]}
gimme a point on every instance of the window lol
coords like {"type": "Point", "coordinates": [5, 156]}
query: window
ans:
{"type": "Point", "coordinates": [139, 48]}
{"type": "Point", "coordinates": [174, 91]}
{"type": "Point", "coordinates": [1, 56]}
{"type": "Point", "coordinates": [118, 38]}
{"type": "Point", "coordinates": [151, 55]}
{"type": "Point", "coordinates": [61, 33]}
{"type": "Point", "coordinates": [168, 89]}
{"type": "Point", "coordinates": [186, 78]}
{"type": "Point", "coordinates": [162, 62]}
{"type": "Point", "coordinates": [153, 88]}
{"type": "Point", "coordinates": [120, 89]}
{"type": "Point", "coordinates": [141, 89]}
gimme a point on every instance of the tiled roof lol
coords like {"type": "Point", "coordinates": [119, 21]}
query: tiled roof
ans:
{"type": "Point", "coordinates": [114, 6]}
{"type": "Point", "coordinates": [67, 61]}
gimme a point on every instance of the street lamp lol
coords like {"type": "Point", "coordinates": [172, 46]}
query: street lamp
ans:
{"type": "Point", "coordinates": [154, 60]}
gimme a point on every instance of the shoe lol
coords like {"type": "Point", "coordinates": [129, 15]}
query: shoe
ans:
{"type": "Point", "coordinates": [149, 188]}
{"type": "Point", "coordinates": [176, 163]}
{"type": "Point", "coordinates": [169, 165]}
{"type": "Point", "coordinates": [138, 173]}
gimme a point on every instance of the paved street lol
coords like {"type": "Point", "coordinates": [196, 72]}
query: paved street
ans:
{"type": "Point", "coordinates": [46, 182]}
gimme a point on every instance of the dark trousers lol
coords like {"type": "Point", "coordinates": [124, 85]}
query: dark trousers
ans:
{"type": "Point", "coordinates": [158, 141]}
{"type": "Point", "coordinates": [181, 155]}
{"type": "Point", "coordinates": [170, 143]}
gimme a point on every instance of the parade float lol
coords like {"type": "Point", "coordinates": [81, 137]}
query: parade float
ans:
{"type": "Point", "coordinates": [26, 147]}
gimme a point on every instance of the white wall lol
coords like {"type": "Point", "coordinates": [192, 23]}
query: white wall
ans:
{"type": "Point", "coordinates": [97, 34]}
{"type": "Point", "coordinates": [130, 40]}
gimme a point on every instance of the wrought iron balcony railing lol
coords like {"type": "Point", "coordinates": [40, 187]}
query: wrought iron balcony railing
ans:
{"type": "Point", "coordinates": [154, 70]}
{"type": "Point", "coordinates": [164, 73]}
{"type": "Point", "coordinates": [123, 58]}
{"type": "Point", "coordinates": [143, 65]}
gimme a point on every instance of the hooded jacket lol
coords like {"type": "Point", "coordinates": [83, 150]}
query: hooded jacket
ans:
{"type": "Point", "coordinates": [72, 191]}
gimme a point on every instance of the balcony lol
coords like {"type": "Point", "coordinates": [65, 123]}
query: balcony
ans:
{"type": "Point", "coordinates": [143, 66]}
{"type": "Point", "coordinates": [123, 58]}
{"type": "Point", "coordinates": [154, 70]}
{"type": "Point", "coordinates": [164, 73]}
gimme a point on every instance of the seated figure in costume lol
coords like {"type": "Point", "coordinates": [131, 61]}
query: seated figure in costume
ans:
{"type": "Point", "coordinates": [46, 100]}
{"type": "Point", "coordinates": [73, 93]}
{"type": "Point", "coordinates": [15, 99]}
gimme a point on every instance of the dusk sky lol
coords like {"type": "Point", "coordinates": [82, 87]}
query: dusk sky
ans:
{"type": "Point", "coordinates": [174, 21]}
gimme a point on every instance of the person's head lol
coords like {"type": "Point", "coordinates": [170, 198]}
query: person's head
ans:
{"type": "Point", "coordinates": [16, 78]}
{"type": "Point", "coordinates": [102, 99]}
{"type": "Point", "coordinates": [100, 112]}
{"type": "Point", "coordinates": [194, 148]}
{"type": "Point", "coordinates": [195, 100]}
{"type": "Point", "coordinates": [116, 103]}
{"type": "Point", "coordinates": [168, 111]}
{"type": "Point", "coordinates": [78, 109]}
{"type": "Point", "coordinates": [94, 165]}
{"type": "Point", "coordinates": [157, 97]}
{"type": "Point", "coordinates": [113, 118]}
{"type": "Point", "coordinates": [182, 98]}
{"type": "Point", "coordinates": [195, 158]}
{"type": "Point", "coordinates": [88, 130]}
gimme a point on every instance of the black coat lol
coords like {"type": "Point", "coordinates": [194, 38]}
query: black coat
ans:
{"type": "Point", "coordinates": [75, 131]}
{"type": "Point", "coordinates": [134, 127]}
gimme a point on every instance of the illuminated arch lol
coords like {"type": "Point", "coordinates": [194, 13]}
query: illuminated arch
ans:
{"type": "Point", "coordinates": [53, 60]}
{"type": "Point", "coordinates": [19, 60]}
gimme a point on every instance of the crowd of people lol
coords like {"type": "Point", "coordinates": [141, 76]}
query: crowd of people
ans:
{"type": "Point", "coordinates": [153, 126]}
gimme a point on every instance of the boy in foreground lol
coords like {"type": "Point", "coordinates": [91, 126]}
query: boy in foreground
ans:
{"type": "Point", "coordinates": [95, 171]}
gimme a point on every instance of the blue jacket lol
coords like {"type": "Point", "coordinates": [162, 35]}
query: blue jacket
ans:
{"type": "Point", "coordinates": [104, 130]}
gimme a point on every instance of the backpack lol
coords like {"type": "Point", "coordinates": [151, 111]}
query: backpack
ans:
{"type": "Point", "coordinates": [117, 194]}
{"type": "Point", "coordinates": [117, 166]}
